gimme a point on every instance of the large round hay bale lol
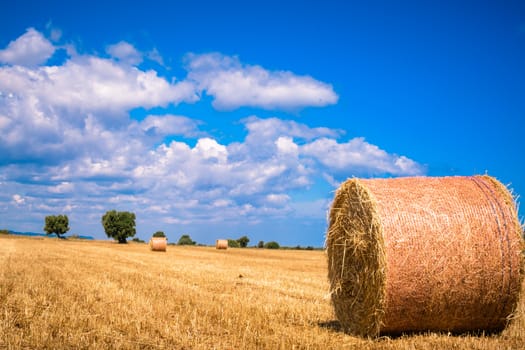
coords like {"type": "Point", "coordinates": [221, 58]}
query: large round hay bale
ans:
{"type": "Point", "coordinates": [158, 244]}
{"type": "Point", "coordinates": [221, 244]}
{"type": "Point", "coordinates": [421, 253]}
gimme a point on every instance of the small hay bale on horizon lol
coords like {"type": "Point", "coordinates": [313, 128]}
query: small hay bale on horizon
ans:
{"type": "Point", "coordinates": [158, 244]}
{"type": "Point", "coordinates": [424, 254]}
{"type": "Point", "coordinates": [221, 244]}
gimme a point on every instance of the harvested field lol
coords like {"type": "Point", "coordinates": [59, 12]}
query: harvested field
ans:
{"type": "Point", "coordinates": [93, 294]}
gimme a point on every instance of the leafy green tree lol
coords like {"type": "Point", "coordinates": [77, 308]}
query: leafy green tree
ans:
{"type": "Point", "coordinates": [243, 241]}
{"type": "Point", "coordinates": [260, 244]}
{"type": "Point", "coordinates": [232, 243]}
{"type": "Point", "coordinates": [58, 224]}
{"type": "Point", "coordinates": [186, 240]}
{"type": "Point", "coordinates": [272, 245]}
{"type": "Point", "coordinates": [119, 225]}
{"type": "Point", "coordinates": [4, 232]}
{"type": "Point", "coordinates": [159, 234]}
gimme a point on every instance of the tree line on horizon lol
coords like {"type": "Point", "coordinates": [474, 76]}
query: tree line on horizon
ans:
{"type": "Point", "coordinates": [120, 225]}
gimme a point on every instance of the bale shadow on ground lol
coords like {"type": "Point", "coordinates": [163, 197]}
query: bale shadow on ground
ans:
{"type": "Point", "coordinates": [335, 326]}
{"type": "Point", "coordinates": [332, 325]}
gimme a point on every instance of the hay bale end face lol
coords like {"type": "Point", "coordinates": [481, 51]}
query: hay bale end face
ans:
{"type": "Point", "coordinates": [158, 244]}
{"type": "Point", "coordinates": [221, 244]}
{"type": "Point", "coordinates": [421, 253]}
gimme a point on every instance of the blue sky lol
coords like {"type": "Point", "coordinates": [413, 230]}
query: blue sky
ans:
{"type": "Point", "coordinates": [224, 118]}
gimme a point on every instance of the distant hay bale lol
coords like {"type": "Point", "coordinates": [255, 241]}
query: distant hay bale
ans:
{"type": "Point", "coordinates": [158, 244]}
{"type": "Point", "coordinates": [221, 244]}
{"type": "Point", "coordinates": [421, 253]}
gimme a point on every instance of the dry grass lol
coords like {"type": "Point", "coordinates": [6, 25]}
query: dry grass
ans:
{"type": "Point", "coordinates": [57, 294]}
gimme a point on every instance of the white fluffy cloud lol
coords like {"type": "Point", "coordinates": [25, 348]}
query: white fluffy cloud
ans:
{"type": "Point", "coordinates": [168, 124]}
{"type": "Point", "coordinates": [31, 49]}
{"type": "Point", "coordinates": [53, 113]}
{"type": "Point", "coordinates": [261, 129]}
{"type": "Point", "coordinates": [359, 157]}
{"type": "Point", "coordinates": [18, 199]}
{"type": "Point", "coordinates": [243, 173]}
{"type": "Point", "coordinates": [125, 52]}
{"type": "Point", "coordinates": [286, 146]}
{"type": "Point", "coordinates": [88, 83]}
{"type": "Point", "coordinates": [233, 85]}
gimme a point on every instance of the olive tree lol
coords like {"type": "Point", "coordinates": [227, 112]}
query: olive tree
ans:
{"type": "Point", "coordinates": [233, 243]}
{"type": "Point", "coordinates": [272, 245]}
{"type": "Point", "coordinates": [119, 225]}
{"type": "Point", "coordinates": [159, 234]}
{"type": "Point", "coordinates": [57, 224]}
{"type": "Point", "coordinates": [243, 241]}
{"type": "Point", "coordinates": [186, 240]}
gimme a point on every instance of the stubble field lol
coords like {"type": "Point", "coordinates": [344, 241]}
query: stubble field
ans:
{"type": "Point", "coordinates": [71, 294]}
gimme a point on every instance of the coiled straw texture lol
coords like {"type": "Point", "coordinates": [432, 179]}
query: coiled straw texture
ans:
{"type": "Point", "coordinates": [423, 253]}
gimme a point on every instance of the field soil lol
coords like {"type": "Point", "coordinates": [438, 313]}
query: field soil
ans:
{"type": "Point", "coordinates": [74, 294]}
